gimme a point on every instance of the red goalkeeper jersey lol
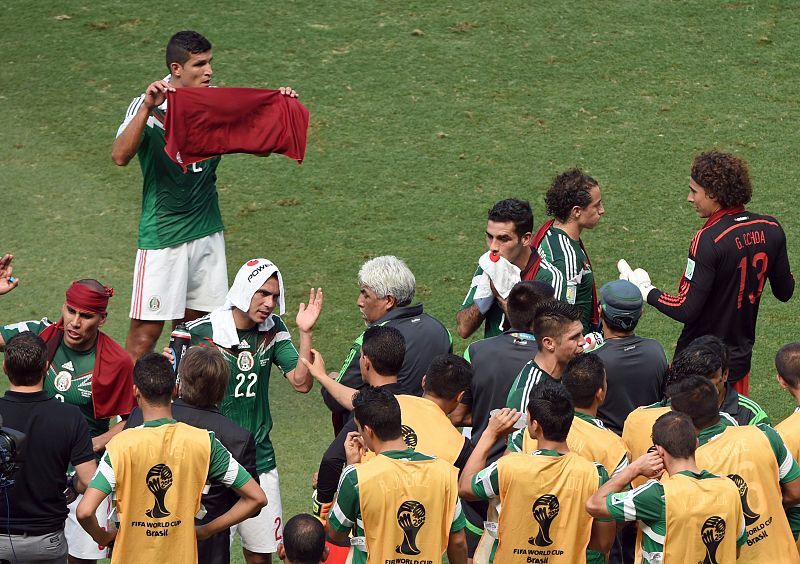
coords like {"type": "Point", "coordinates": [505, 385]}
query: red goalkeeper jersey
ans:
{"type": "Point", "coordinates": [730, 260]}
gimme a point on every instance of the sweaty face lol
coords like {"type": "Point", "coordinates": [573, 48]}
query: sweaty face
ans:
{"type": "Point", "coordinates": [704, 205]}
{"type": "Point", "coordinates": [194, 72]}
{"type": "Point", "coordinates": [372, 307]}
{"type": "Point", "coordinates": [502, 239]}
{"type": "Point", "coordinates": [591, 214]}
{"type": "Point", "coordinates": [80, 327]}
{"type": "Point", "coordinates": [264, 301]}
{"type": "Point", "coordinates": [570, 344]}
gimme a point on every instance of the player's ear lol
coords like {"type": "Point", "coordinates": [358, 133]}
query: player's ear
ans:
{"type": "Point", "coordinates": [781, 382]}
{"type": "Point", "coordinates": [175, 68]}
{"type": "Point", "coordinates": [391, 302]}
{"type": "Point", "coordinates": [460, 396]}
{"type": "Point", "coordinates": [526, 239]}
{"type": "Point", "coordinates": [103, 317]}
{"type": "Point", "coordinates": [549, 343]}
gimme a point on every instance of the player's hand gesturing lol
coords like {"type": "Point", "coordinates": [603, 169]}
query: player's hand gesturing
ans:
{"type": "Point", "coordinates": [307, 315]}
{"type": "Point", "coordinates": [7, 282]}
{"type": "Point", "coordinates": [156, 93]}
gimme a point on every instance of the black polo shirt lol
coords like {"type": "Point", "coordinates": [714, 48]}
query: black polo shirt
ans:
{"type": "Point", "coordinates": [56, 435]}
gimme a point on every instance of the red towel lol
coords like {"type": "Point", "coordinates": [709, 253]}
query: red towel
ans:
{"type": "Point", "coordinates": [206, 122]}
{"type": "Point", "coordinates": [112, 377]}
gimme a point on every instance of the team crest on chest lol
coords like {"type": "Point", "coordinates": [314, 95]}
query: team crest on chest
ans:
{"type": "Point", "coordinates": [63, 381]}
{"type": "Point", "coordinates": [245, 361]}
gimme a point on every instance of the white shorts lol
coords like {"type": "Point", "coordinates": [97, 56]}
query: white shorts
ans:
{"type": "Point", "coordinates": [191, 275]}
{"type": "Point", "coordinates": [263, 532]}
{"type": "Point", "coordinates": [80, 543]}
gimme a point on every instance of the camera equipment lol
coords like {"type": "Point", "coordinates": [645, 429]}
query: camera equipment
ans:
{"type": "Point", "coordinates": [11, 444]}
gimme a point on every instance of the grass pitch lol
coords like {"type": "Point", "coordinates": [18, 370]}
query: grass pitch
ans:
{"type": "Point", "coordinates": [423, 115]}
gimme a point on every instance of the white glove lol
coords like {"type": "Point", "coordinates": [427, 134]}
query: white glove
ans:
{"type": "Point", "coordinates": [625, 270]}
{"type": "Point", "coordinates": [641, 279]}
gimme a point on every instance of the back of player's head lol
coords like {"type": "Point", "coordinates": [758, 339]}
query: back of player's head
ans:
{"type": "Point", "coordinates": [386, 348]}
{"type": "Point", "coordinates": [25, 360]}
{"type": "Point", "coordinates": [724, 177]}
{"type": "Point", "coordinates": [718, 346]}
{"type": "Point", "coordinates": [378, 409]}
{"type": "Point", "coordinates": [204, 375]}
{"type": "Point", "coordinates": [569, 189]}
{"type": "Point", "coordinates": [582, 377]}
{"type": "Point", "coordinates": [787, 363]}
{"type": "Point", "coordinates": [303, 540]}
{"type": "Point", "coordinates": [517, 211]}
{"type": "Point", "coordinates": [447, 376]}
{"type": "Point", "coordinates": [92, 284]}
{"type": "Point", "coordinates": [697, 359]}
{"type": "Point", "coordinates": [523, 300]}
{"type": "Point", "coordinates": [697, 397]}
{"type": "Point", "coordinates": [553, 318]}
{"type": "Point", "coordinates": [184, 44]}
{"type": "Point", "coordinates": [551, 407]}
{"type": "Point", "coordinates": [389, 276]}
{"type": "Point", "coordinates": [621, 305]}
{"type": "Point", "coordinates": [154, 377]}
{"type": "Point", "coordinates": [675, 433]}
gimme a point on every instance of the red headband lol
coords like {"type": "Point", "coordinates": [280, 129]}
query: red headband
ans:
{"type": "Point", "coordinates": [83, 298]}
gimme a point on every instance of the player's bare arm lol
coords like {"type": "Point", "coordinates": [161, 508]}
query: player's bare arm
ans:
{"type": "Point", "coordinates": [84, 471]}
{"type": "Point", "coordinates": [500, 425]}
{"type": "Point", "coordinates": [790, 493]}
{"type": "Point", "coordinates": [468, 320]}
{"type": "Point", "coordinates": [7, 282]}
{"type": "Point", "coordinates": [341, 393]}
{"type": "Point", "coordinates": [300, 378]}
{"type": "Point", "coordinates": [100, 441]}
{"type": "Point", "coordinates": [251, 500]}
{"type": "Point", "coordinates": [127, 143]}
{"type": "Point", "coordinates": [457, 548]}
{"type": "Point", "coordinates": [85, 513]}
{"type": "Point", "coordinates": [649, 465]}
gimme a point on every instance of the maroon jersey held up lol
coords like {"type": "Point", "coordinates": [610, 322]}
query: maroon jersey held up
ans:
{"type": "Point", "coordinates": [730, 260]}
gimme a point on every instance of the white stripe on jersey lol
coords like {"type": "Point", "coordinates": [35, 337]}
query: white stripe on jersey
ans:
{"type": "Point", "coordinates": [485, 478]}
{"type": "Point", "coordinates": [107, 471]}
{"type": "Point", "coordinates": [623, 464]}
{"type": "Point", "coordinates": [570, 258]}
{"type": "Point", "coordinates": [231, 472]}
{"type": "Point", "coordinates": [558, 278]}
{"type": "Point", "coordinates": [129, 115]}
{"type": "Point", "coordinates": [534, 377]}
{"type": "Point", "coordinates": [786, 465]}
{"type": "Point", "coordinates": [345, 472]}
{"type": "Point", "coordinates": [340, 516]}
{"type": "Point", "coordinates": [283, 336]}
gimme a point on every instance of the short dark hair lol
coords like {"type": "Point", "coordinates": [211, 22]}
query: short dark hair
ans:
{"type": "Point", "coordinates": [551, 407]}
{"type": "Point", "coordinates": [25, 359]}
{"type": "Point", "coordinates": [95, 285]}
{"type": "Point", "coordinates": [552, 318]}
{"type": "Point", "coordinates": [569, 189]}
{"type": "Point", "coordinates": [517, 211]}
{"type": "Point", "coordinates": [304, 539]}
{"type": "Point", "coordinates": [723, 176]}
{"type": "Point", "coordinates": [675, 433]}
{"type": "Point", "coordinates": [154, 377]}
{"type": "Point", "coordinates": [697, 359]}
{"type": "Point", "coordinates": [184, 44]}
{"type": "Point", "coordinates": [385, 347]}
{"type": "Point", "coordinates": [378, 409]}
{"type": "Point", "coordinates": [447, 376]}
{"type": "Point", "coordinates": [523, 300]}
{"type": "Point", "coordinates": [583, 376]}
{"type": "Point", "coordinates": [717, 345]}
{"type": "Point", "coordinates": [697, 397]}
{"type": "Point", "coordinates": [787, 363]}
{"type": "Point", "coordinates": [204, 375]}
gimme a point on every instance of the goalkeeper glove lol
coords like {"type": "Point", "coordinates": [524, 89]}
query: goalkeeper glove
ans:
{"type": "Point", "coordinates": [320, 510]}
{"type": "Point", "coordinates": [625, 270]}
{"type": "Point", "coordinates": [641, 279]}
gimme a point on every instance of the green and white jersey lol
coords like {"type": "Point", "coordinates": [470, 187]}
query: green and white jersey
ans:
{"type": "Point", "coordinates": [177, 207]}
{"type": "Point", "coordinates": [69, 376]}
{"type": "Point", "coordinates": [788, 468]}
{"type": "Point", "coordinates": [566, 254]}
{"type": "Point", "coordinates": [495, 319]}
{"type": "Point", "coordinates": [247, 397]}
{"type": "Point", "coordinates": [528, 378]}
{"type": "Point", "coordinates": [647, 505]}
{"type": "Point", "coordinates": [222, 467]}
{"type": "Point", "coordinates": [346, 511]}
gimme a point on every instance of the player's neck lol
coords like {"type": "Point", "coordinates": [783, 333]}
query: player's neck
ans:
{"type": "Point", "coordinates": [376, 380]}
{"type": "Point", "coordinates": [675, 465]}
{"type": "Point", "coordinates": [154, 412]}
{"type": "Point", "coordinates": [570, 227]}
{"type": "Point", "coordinates": [442, 404]}
{"type": "Point", "coordinates": [795, 394]}
{"type": "Point", "coordinates": [549, 363]}
{"type": "Point", "coordinates": [242, 320]}
{"type": "Point", "coordinates": [545, 444]}
{"type": "Point", "coordinates": [590, 411]}
{"type": "Point", "coordinates": [524, 258]}
{"type": "Point", "coordinates": [27, 389]}
{"type": "Point", "coordinates": [609, 333]}
{"type": "Point", "coordinates": [394, 444]}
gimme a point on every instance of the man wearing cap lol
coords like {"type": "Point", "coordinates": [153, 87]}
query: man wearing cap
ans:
{"type": "Point", "coordinates": [89, 370]}
{"type": "Point", "coordinates": [252, 338]}
{"type": "Point", "coordinates": [635, 366]}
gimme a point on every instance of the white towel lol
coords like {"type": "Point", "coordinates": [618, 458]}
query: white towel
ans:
{"type": "Point", "coordinates": [248, 280]}
{"type": "Point", "coordinates": [502, 273]}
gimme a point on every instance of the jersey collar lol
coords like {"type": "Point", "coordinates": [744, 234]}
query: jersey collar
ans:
{"type": "Point", "coordinates": [719, 214]}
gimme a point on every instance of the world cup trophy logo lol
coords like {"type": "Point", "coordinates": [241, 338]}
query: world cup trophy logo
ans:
{"type": "Point", "coordinates": [409, 436]}
{"type": "Point", "coordinates": [545, 509]}
{"type": "Point", "coordinates": [711, 533]}
{"type": "Point", "coordinates": [410, 517]}
{"type": "Point", "coordinates": [750, 516]}
{"type": "Point", "coordinates": [159, 480]}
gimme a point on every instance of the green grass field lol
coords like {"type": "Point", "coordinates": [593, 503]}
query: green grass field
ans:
{"type": "Point", "coordinates": [423, 115]}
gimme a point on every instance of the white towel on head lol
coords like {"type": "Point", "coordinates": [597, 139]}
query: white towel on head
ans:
{"type": "Point", "coordinates": [248, 280]}
{"type": "Point", "coordinates": [502, 273]}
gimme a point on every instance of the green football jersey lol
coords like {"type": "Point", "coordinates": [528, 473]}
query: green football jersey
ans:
{"type": "Point", "coordinates": [566, 254]}
{"type": "Point", "coordinates": [247, 398]}
{"type": "Point", "coordinates": [69, 376]}
{"type": "Point", "coordinates": [176, 207]}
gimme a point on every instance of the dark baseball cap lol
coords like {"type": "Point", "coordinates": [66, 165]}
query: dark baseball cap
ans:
{"type": "Point", "coordinates": [622, 303]}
